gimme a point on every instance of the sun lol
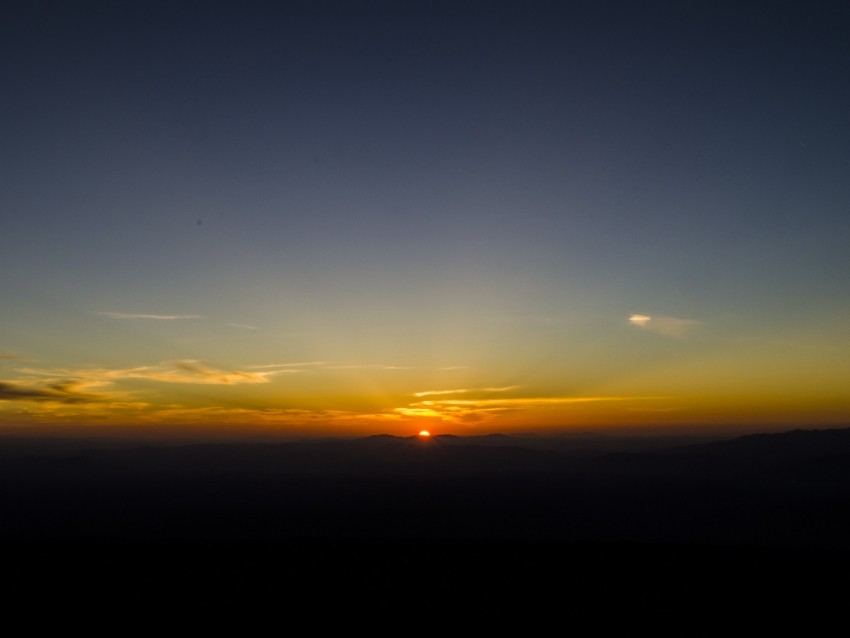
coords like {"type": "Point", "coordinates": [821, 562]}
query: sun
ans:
{"type": "Point", "coordinates": [424, 434]}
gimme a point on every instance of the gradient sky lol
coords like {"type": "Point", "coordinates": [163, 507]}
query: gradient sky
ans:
{"type": "Point", "coordinates": [362, 217]}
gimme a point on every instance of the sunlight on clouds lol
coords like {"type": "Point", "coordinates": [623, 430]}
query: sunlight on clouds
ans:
{"type": "Point", "coordinates": [327, 420]}
{"type": "Point", "coordinates": [420, 412]}
{"type": "Point", "coordinates": [368, 366]}
{"type": "Point", "coordinates": [94, 392]}
{"type": "Point", "coordinates": [195, 372]}
{"type": "Point", "coordinates": [117, 412]}
{"type": "Point", "coordinates": [52, 399]}
{"type": "Point", "coordinates": [468, 410]}
{"type": "Point", "coordinates": [640, 320]}
{"type": "Point", "coordinates": [104, 409]}
{"type": "Point", "coordinates": [527, 402]}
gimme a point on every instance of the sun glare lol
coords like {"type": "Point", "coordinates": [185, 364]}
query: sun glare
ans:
{"type": "Point", "coordinates": [424, 434]}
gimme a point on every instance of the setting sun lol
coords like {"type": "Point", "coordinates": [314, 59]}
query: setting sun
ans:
{"type": "Point", "coordinates": [424, 434]}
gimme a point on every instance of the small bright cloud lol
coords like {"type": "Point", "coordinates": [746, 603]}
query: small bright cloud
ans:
{"type": "Point", "coordinates": [675, 327]}
{"type": "Point", "coordinates": [640, 320]}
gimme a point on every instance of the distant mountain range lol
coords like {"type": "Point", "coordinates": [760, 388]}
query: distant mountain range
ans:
{"type": "Point", "coordinates": [790, 489]}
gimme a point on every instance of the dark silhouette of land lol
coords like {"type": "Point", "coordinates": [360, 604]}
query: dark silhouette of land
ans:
{"type": "Point", "coordinates": [651, 523]}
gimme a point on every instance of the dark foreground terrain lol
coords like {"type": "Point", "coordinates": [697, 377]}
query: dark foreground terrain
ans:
{"type": "Point", "coordinates": [594, 531]}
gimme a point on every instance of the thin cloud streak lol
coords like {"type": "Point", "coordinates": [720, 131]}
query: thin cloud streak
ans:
{"type": "Point", "coordinates": [527, 402]}
{"type": "Point", "coordinates": [426, 393]}
{"type": "Point", "coordinates": [330, 366]}
{"type": "Point", "coordinates": [269, 366]}
{"type": "Point", "coordinates": [292, 417]}
{"type": "Point", "coordinates": [368, 367]}
{"type": "Point", "coordinates": [131, 315]}
{"type": "Point", "coordinates": [470, 411]}
{"type": "Point", "coordinates": [64, 391]}
{"type": "Point", "coordinates": [187, 371]}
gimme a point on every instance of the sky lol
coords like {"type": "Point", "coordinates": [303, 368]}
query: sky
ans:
{"type": "Point", "coordinates": [312, 218]}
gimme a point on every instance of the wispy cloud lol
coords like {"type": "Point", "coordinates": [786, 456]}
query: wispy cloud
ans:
{"type": "Point", "coordinates": [191, 371]}
{"type": "Point", "coordinates": [325, 366]}
{"type": "Point", "coordinates": [524, 401]}
{"type": "Point", "coordinates": [426, 393]}
{"type": "Point", "coordinates": [473, 410]}
{"type": "Point", "coordinates": [10, 355]}
{"type": "Point", "coordinates": [675, 327]}
{"type": "Point", "coordinates": [66, 391]}
{"type": "Point", "coordinates": [666, 409]}
{"type": "Point", "coordinates": [540, 319]}
{"type": "Point", "coordinates": [251, 416]}
{"type": "Point", "coordinates": [243, 326]}
{"type": "Point", "coordinates": [368, 366]}
{"type": "Point", "coordinates": [183, 371]}
{"type": "Point", "coordinates": [132, 315]}
{"type": "Point", "coordinates": [300, 364]}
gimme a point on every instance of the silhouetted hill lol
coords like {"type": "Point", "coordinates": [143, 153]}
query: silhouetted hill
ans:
{"type": "Point", "coordinates": [683, 538]}
{"type": "Point", "coordinates": [373, 456]}
{"type": "Point", "coordinates": [788, 489]}
{"type": "Point", "coordinates": [795, 445]}
{"type": "Point", "coordinates": [795, 456]}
